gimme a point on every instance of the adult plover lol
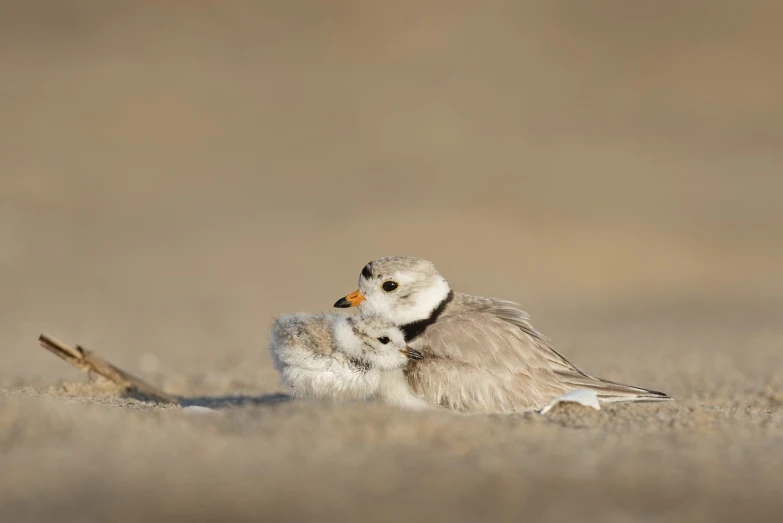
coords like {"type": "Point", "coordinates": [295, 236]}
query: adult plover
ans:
{"type": "Point", "coordinates": [479, 354]}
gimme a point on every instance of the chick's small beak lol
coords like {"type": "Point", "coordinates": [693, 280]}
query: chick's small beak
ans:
{"type": "Point", "coordinates": [352, 300]}
{"type": "Point", "coordinates": [412, 354]}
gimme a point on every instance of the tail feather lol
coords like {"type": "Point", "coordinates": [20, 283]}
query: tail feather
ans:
{"type": "Point", "coordinates": [613, 392]}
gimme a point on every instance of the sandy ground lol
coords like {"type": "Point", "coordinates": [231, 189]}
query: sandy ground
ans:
{"type": "Point", "coordinates": [172, 175]}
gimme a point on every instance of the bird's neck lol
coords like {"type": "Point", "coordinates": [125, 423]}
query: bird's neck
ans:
{"type": "Point", "coordinates": [415, 329]}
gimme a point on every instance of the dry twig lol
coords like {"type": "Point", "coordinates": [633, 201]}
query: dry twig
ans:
{"type": "Point", "coordinates": [88, 362]}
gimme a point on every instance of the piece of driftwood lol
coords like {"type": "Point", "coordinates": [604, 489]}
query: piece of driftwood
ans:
{"type": "Point", "coordinates": [88, 362]}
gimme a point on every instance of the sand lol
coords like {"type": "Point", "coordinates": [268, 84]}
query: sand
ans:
{"type": "Point", "coordinates": [172, 176]}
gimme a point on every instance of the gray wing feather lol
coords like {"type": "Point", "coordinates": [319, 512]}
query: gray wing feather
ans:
{"type": "Point", "coordinates": [484, 355]}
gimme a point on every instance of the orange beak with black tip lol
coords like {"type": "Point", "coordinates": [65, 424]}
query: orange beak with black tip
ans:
{"type": "Point", "coordinates": [352, 300]}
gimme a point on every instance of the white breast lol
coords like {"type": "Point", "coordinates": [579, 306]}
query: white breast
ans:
{"type": "Point", "coordinates": [394, 390]}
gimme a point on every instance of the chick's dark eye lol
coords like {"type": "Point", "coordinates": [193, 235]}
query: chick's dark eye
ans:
{"type": "Point", "coordinates": [389, 286]}
{"type": "Point", "coordinates": [384, 340]}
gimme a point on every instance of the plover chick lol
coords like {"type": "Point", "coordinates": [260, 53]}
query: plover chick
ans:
{"type": "Point", "coordinates": [479, 354]}
{"type": "Point", "coordinates": [343, 357]}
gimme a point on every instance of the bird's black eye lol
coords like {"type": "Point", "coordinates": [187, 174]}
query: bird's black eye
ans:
{"type": "Point", "coordinates": [389, 286]}
{"type": "Point", "coordinates": [384, 340]}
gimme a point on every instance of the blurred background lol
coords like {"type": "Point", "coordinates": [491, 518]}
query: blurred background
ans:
{"type": "Point", "coordinates": [174, 174]}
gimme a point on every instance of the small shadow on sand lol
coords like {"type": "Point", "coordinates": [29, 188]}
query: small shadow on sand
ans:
{"type": "Point", "coordinates": [212, 402]}
{"type": "Point", "coordinates": [218, 402]}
